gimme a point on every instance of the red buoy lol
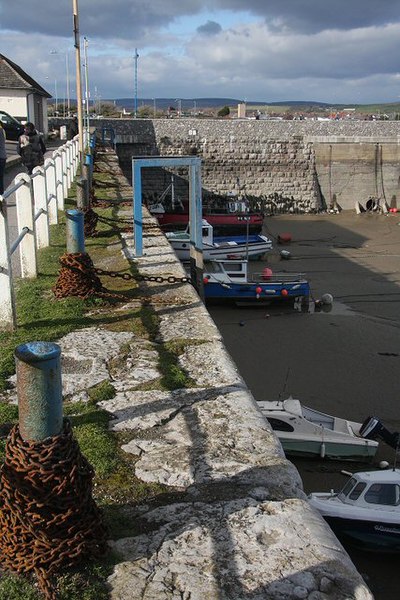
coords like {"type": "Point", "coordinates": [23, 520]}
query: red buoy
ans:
{"type": "Point", "coordinates": [284, 238]}
{"type": "Point", "coordinates": [284, 292]}
{"type": "Point", "coordinates": [258, 290]}
{"type": "Point", "coordinates": [205, 280]}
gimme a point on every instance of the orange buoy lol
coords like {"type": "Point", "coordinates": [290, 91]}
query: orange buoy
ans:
{"type": "Point", "coordinates": [284, 238]}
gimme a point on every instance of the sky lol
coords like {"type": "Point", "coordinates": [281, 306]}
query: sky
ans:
{"type": "Point", "coordinates": [345, 51]}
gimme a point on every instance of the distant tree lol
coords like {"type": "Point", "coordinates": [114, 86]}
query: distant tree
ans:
{"type": "Point", "coordinates": [224, 112]}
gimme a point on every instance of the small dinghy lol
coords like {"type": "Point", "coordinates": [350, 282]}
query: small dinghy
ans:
{"type": "Point", "coordinates": [366, 512]}
{"type": "Point", "coordinates": [304, 431]}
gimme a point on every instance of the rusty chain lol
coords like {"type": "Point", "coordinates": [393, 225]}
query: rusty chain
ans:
{"type": "Point", "coordinates": [78, 277]}
{"type": "Point", "coordinates": [151, 278]}
{"type": "Point", "coordinates": [90, 222]}
{"type": "Point", "coordinates": [48, 518]}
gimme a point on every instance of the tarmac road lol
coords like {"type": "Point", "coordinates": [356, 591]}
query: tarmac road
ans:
{"type": "Point", "coordinates": [345, 362]}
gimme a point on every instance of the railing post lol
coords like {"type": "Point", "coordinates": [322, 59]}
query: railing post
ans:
{"type": "Point", "coordinates": [51, 185]}
{"type": "Point", "coordinates": [39, 390]}
{"type": "Point", "coordinates": [64, 171]}
{"type": "Point", "coordinates": [40, 202]}
{"type": "Point", "coordinates": [8, 317]}
{"type": "Point", "coordinates": [68, 154]}
{"type": "Point", "coordinates": [75, 231]}
{"type": "Point", "coordinates": [75, 154]}
{"type": "Point", "coordinates": [59, 180]}
{"type": "Point", "coordinates": [25, 218]}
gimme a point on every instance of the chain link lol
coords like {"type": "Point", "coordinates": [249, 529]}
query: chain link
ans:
{"type": "Point", "coordinates": [48, 518]}
{"type": "Point", "coordinates": [151, 278]}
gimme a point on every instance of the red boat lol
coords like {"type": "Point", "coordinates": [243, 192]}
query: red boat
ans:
{"type": "Point", "coordinates": [231, 217]}
{"type": "Point", "coordinates": [224, 223]}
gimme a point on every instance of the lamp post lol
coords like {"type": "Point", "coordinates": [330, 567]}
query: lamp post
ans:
{"type": "Point", "coordinates": [85, 46]}
{"type": "Point", "coordinates": [78, 76]}
{"type": "Point", "coordinates": [67, 100]}
{"type": "Point", "coordinates": [154, 107]}
{"type": "Point", "coordinates": [136, 56]}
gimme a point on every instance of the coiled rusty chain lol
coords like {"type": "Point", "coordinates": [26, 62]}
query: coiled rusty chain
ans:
{"type": "Point", "coordinates": [48, 518]}
{"type": "Point", "coordinates": [77, 277]}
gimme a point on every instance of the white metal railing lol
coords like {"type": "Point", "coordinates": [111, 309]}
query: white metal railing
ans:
{"type": "Point", "coordinates": [38, 198]}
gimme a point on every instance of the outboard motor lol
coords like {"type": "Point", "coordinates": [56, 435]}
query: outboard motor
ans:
{"type": "Point", "coordinates": [372, 429]}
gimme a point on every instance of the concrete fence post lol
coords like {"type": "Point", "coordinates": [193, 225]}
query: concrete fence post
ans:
{"type": "Point", "coordinates": [64, 178]}
{"type": "Point", "coordinates": [25, 219]}
{"type": "Point", "coordinates": [40, 202]}
{"type": "Point", "coordinates": [39, 388]}
{"type": "Point", "coordinates": [75, 231]}
{"type": "Point", "coordinates": [7, 301]}
{"type": "Point", "coordinates": [75, 152]}
{"type": "Point", "coordinates": [59, 180]}
{"type": "Point", "coordinates": [68, 151]}
{"type": "Point", "coordinates": [51, 183]}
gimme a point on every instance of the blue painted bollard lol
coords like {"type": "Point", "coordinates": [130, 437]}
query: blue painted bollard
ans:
{"type": "Point", "coordinates": [39, 389]}
{"type": "Point", "coordinates": [75, 231]}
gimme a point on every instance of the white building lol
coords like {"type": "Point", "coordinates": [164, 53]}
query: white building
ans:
{"type": "Point", "coordinates": [21, 96]}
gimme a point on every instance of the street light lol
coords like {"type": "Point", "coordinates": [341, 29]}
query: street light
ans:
{"type": "Point", "coordinates": [87, 93]}
{"type": "Point", "coordinates": [154, 107]}
{"type": "Point", "coordinates": [179, 107]}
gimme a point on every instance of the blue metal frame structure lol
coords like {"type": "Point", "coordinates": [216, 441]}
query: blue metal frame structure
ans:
{"type": "Point", "coordinates": [195, 208]}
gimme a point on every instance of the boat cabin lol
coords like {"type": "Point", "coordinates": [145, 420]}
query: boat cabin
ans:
{"type": "Point", "coordinates": [226, 270]}
{"type": "Point", "coordinates": [370, 489]}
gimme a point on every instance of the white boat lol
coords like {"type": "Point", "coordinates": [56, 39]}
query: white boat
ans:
{"type": "Point", "coordinates": [366, 512]}
{"type": "Point", "coordinates": [304, 431]}
{"type": "Point", "coordinates": [221, 247]}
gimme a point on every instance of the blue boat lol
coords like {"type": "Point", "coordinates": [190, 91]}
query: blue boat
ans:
{"type": "Point", "coordinates": [228, 280]}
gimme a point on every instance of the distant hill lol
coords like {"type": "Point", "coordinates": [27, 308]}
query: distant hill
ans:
{"type": "Point", "coordinates": [203, 103]}
{"type": "Point", "coordinates": [191, 103]}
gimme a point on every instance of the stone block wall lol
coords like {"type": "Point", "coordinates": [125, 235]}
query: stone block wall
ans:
{"type": "Point", "coordinates": [284, 166]}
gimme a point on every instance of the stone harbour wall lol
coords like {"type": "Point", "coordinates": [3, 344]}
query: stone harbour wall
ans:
{"type": "Point", "coordinates": [283, 166]}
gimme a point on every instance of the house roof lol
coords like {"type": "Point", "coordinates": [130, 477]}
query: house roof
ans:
{"type": "Point", "coordinates": [12, 76]}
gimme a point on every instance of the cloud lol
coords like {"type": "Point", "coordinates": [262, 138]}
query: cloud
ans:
{"type": "Point", "coordinates": [298, 49]}
{"type": "Point", "coordinates": [209, 28]}
{"type": "Point", "coordinates": [318, 15]}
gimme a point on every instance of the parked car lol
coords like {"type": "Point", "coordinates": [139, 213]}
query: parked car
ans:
{"type": "Point", "coordinates": [12, 127]}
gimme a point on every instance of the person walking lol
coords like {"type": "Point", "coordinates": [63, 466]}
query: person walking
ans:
{"type": "Point", "coordinates": [3, 157]}
{"type": "Point", "coordinates": [73, 128]}
{"type": "Point", "coordinates": [31, 148]}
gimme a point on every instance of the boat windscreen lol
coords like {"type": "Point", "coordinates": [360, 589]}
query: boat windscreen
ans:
{"type": "Point", "coordinates": [348, 487]}
{"type": "Point", "coordinates": [213, 266]}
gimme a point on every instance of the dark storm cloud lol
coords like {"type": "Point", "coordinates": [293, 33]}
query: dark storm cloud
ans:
{"type": "Point", "coordinates": [105, 18]}
{"type": "Point", "coordinates": [126, 19]}
{"type": "Point", "coordinates": [209, 28]}
{"type": "Point", "coordinates": [318, 15]}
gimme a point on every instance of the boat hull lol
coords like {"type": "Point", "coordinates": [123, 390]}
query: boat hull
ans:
{"type": "Point", "coordinates": [372, 535]}
{"type": "Point", "coordinates": [225, 248]}
{"type": "Point", "coordinates": [223, 224]}
{"type": "Point", "coordinates": [330, 450]}
{"type": "Point", "coordinates": [256, 292]}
